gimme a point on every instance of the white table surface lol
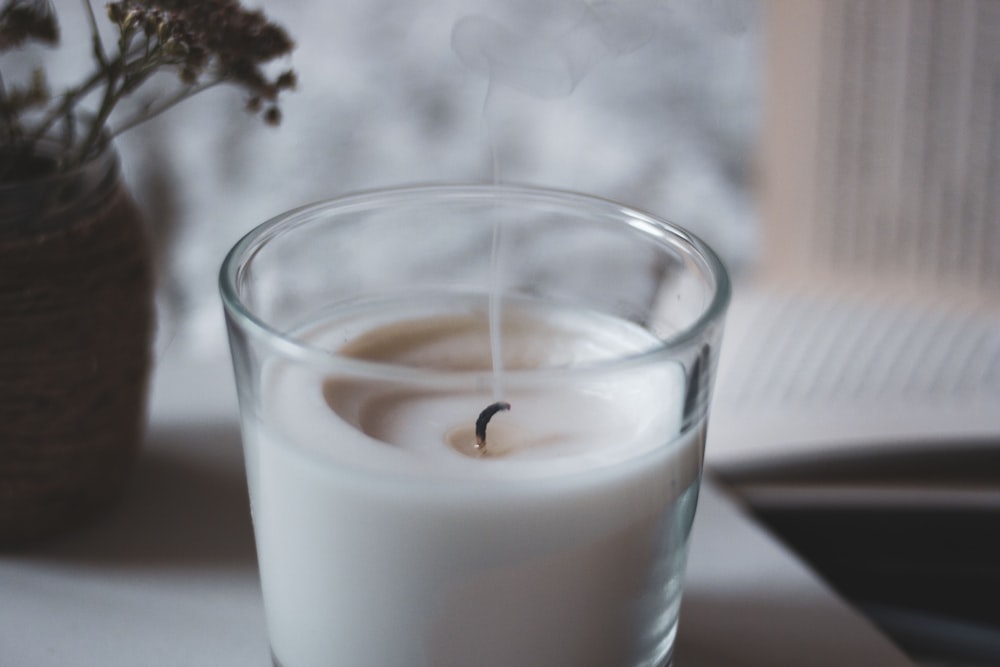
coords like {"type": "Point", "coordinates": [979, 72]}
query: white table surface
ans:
{"type": "Point", "coordinates": [170, 578]}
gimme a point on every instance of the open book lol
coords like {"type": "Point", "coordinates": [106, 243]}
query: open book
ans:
{"type": "Point", "coordinates": [803, 372]}
{"type": "Point", "coordinates": [875, 319]}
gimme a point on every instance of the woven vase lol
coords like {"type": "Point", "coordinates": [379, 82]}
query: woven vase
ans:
{"type": "Point", "coordinates": [76, 322]}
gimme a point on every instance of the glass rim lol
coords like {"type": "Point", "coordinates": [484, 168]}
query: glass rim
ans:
{"type": "Point", "coordinates": [298, 350]}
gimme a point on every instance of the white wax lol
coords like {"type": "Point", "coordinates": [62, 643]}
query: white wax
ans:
{"type": "Point", "coordinates": [382, 544]}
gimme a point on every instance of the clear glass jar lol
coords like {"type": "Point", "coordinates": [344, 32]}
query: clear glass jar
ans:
{"type": "Point", "coordinates": [367, 335]}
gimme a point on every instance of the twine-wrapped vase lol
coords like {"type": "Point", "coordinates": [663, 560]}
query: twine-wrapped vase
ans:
{"type": "Point", "coordinates": [76, 322]}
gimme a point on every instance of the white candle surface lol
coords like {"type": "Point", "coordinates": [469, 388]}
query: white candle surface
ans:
{"type": "Point", "coordinates": [385, 539]}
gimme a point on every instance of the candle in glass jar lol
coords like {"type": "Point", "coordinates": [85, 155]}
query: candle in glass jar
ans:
{"type": "Point", "coordinates": [386, 537]}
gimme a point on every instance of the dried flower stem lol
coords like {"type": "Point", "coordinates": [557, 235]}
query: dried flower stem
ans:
{"type": "Point", "coordinates": [64, 109]}
{"type": "Point", "coordinates": [95, 34]}
{"type": "Point", "coordinates": [149, 111]}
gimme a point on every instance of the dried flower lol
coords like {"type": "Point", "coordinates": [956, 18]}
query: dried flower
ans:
{"type": "Point", "coordinates": [287, 80]}
{"type": "Point", "coordinates": [25, 20]}
{"type": "Point", "coordinates": [204, 42]}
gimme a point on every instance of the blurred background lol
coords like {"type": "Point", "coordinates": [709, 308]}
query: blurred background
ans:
{"type": "Point", "coordinates": [655, 104]}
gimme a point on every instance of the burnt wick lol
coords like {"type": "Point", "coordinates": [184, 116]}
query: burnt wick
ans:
{"type": "Point", "coordinates": [484, 418]}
